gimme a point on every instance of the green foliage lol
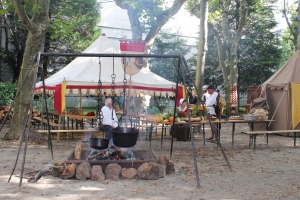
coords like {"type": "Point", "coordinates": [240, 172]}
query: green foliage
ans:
{"type": "Point", "coordinates": [168, 115]}
{"type": "Point", "coordinates": [167, 42]}
{"type": "Point", "coordinates": [153, 111]}
{"type": "Point", "coordinates": [197, 111]}
{"type": "Point", "coordinates": [259, 51]}
{"type": "Point", "coordinates": [73, 28]}
{"type": "Point", "coordinates": [7, 92]}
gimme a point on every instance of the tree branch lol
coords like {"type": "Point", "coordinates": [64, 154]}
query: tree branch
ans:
{"type": "Point", "coordinates": [18, 4]}
{"type": "Point", "coordinates": [162, 19]}
{"type": "Point", "coordinates": [287, 20]}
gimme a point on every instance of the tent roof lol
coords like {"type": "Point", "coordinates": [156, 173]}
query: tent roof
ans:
{"type": "Point", "coordinates": [83, 73]}
{"type": "Point", "coordinates": [288, 73]}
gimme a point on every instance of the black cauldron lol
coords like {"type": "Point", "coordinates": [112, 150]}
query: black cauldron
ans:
{"type": "Point", "coordinates": [124, 137]}
{"type": "Point", "coordinates": [99, 144]}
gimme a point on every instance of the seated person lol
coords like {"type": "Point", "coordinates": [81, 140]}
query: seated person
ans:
{"type": "Point", "coordinates": [110, 119]}
{"type": "Point", "coordinates": [182, 109]}
{"type": "Point", "coordinates": [182, 105]}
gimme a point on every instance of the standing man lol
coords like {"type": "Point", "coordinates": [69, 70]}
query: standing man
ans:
{"type": "Point", "coordinates": [212, 99]}
{"type": "Point", "coordinates": [110, 119]}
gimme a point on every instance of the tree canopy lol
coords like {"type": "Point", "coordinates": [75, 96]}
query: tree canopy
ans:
{"type": "Point", "coordinates": [73, 27]}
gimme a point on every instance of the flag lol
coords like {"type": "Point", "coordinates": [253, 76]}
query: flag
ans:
{"type": "Point", "coordinates": [59, 97]}
{"type": "Point", "coordinates": [295, 104]}
{"type": "Point", "coordinates": [180, 94]}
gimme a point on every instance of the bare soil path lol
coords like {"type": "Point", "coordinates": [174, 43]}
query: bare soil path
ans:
{"type": "Point", "coordinates": [266, 173]}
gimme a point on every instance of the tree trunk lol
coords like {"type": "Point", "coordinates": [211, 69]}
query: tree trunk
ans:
{"type": "Point", "coordinates": [37, 27]}
{"type": "Point", "coordinates": [202, 48]}
{"type": "Point", "coordinates": [227, 51]}
{"type": "Point", "coordinates": [23, 102]}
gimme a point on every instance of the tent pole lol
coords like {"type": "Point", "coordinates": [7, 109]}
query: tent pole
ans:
{"type": "Point", "coordinates": [129, 94]}
{"type": "Point", "coordinates": [80, 104]}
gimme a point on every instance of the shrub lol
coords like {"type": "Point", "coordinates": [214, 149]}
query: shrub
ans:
{"type": "Point", "coordinates": [7, 92]}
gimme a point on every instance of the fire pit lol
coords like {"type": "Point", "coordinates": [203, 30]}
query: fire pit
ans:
{"type": "Point", "coordinates": [137, 158]}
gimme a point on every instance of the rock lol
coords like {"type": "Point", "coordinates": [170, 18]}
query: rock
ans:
{"type": "Point", "coordinates": [57, 169]}
{"type": "Point", "coordinates": [83, 171]}
{"type": "Point", "coordinates": [97, 173]}
{"type": "Point", "coordinates": [163, 160]}
{"type": "Point", "coordinates": [129, 173]}
{"type": "Point", "coordinates": [68, 171]}
{"type": "Point", "coordinates": [151, 171]}
{"type": "Point", "coordinates": [170, 169]}
{"type": "Point", "coordinates": [168, 164]}
{"type": "Point", "coordinates": [113, 171]}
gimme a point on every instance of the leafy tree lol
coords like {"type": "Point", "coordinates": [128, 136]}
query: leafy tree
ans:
{"type": "Point", "coordinates": [73, 27]}
{"type": "Point", "coordinates": [287, 47]}
{"type": "Point", "coordinates": [228, 22]}
{"type": "Point", "coordinates": [292, 32]}
{"type": "Point", "coordinates": [15, 37]}
{"type": "Point", "coordinates": [7, 92]}
{"type": "Point", "coordinates": [148, 17]}
{"type": "Point", "coordinates": [259, 54]}
{"type": "Point", "coordinates": [202, 48]}
{"type": "Point", "coordinates": [37, 23]}
{"type": "Point", "coordinates": [167, 43]}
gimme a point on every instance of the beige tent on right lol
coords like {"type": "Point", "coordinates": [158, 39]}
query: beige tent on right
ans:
{"type": "Point", "coordinates": [280, 94]}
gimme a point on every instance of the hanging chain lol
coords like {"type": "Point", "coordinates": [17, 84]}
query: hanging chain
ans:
{"type": "Point", "coordinates": [99, 99]}
{"type": "Point", "coordinates": [113, 78]}
{"type": "Point", "coordinates": [124, 87]}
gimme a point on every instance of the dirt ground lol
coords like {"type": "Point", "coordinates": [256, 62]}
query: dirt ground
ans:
{"type": "Point", "coordinates": [265, 173]}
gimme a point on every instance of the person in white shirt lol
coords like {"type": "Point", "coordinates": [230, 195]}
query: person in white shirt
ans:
{"type": "Point", "coordinates": [110, 119]}
{"type": "Point", "coordinates": [211, 102]}
{"type": "Point", "coordinates": [211, 99]}
{"type": "Point", "coordinates": [182, 105]}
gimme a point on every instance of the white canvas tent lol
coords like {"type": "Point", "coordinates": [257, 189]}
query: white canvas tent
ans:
{"type": "Point", "coordinates": [282, 101]}
{"type": "Point", "coordinates": [83, 74]}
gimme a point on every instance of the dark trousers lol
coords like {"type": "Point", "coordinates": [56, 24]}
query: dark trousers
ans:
{"type": "Point", "coordinates": [107, 130]}
{"type": "Point", "coordinates": [108, 133]}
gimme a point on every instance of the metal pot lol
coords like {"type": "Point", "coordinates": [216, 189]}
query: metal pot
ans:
{"type": "Point", "coordinates": [250, 117]}
{"type": "Point", "coordinates": [124, 137]}
{"type": "Point", "coordinates": [99, 144]}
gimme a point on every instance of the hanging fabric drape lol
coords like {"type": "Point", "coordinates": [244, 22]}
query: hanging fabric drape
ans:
{"type": "Point", "coordinates": [295, 89]}
{"type": "Point", "coordinates": [60, 97]}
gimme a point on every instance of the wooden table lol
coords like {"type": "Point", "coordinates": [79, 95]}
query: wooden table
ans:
{"type": "Point", "coordinates": [201, 123]}
{"type": "Point", "coordinates": [193, 124]}
{"type": "Point", "coordinates": [252, 122]}
{"type": "Point", "coordinates": [73, 117]}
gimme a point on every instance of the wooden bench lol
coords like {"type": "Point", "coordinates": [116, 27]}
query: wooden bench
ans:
{"type": "Point", "coordinates": [44, 122]}
{"type": "Point", "coordinates": [253, 134]}
{"type": "Point", "coordinates": [68, 131]}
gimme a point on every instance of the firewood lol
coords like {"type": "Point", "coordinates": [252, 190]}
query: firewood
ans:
{"type": "Point", "coordinates": [35, 114]}
{"type": "Point", "coordinates": [78, 149]}
{"type": "Point", "coordinates": [1, 111]}
{"type": "Point", "coordinates": [6, 109]}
